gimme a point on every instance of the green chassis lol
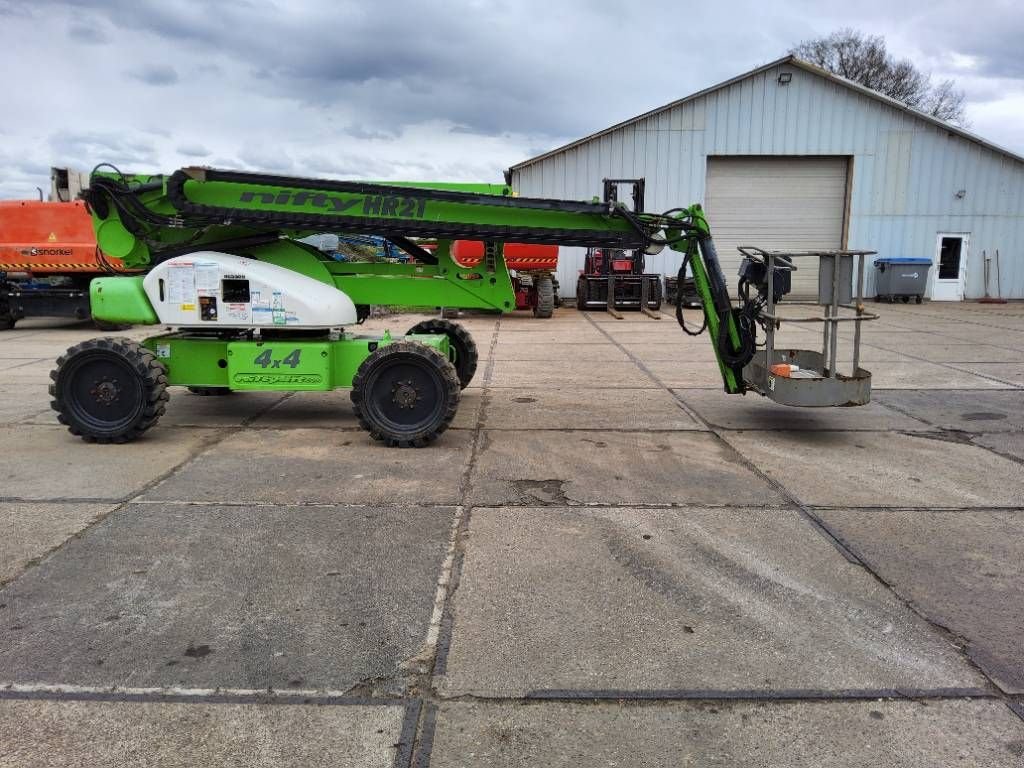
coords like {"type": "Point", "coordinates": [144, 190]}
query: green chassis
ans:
{"type": "Point", "coordinates": [272, 364]}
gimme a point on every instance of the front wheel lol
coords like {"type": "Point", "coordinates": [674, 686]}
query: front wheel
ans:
{"type": "Point", "coordinates": [545, 306]}
{"type": "Point", "coordinates": [108, 390]}
{"type": "Point", "coordinates": [461, 348]}
{"type": "Point", "coordinates": [405, 394]}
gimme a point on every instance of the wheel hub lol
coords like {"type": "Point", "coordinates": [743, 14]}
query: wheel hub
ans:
{"type": "Point", "coordinates": [105, 392]}
{"type": "Point", "coordinates": [404, 394]}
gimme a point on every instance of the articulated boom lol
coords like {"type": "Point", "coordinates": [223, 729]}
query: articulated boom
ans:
{"type": "Point", "coordinates": [256, 309]}
{"type": "Point", "coordinates": [148, 219]}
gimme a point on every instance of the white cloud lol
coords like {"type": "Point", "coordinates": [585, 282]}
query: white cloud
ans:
{"type": "Point", "coordinates": [454, 90]}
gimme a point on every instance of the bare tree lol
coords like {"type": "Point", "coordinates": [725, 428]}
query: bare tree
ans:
{"type": "Point", "coordinates": [864, 59]}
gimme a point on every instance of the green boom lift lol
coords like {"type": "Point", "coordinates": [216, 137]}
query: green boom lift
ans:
{"type": "Point", "coordinates": [256, 310]}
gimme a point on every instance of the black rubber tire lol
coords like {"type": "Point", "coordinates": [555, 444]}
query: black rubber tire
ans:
{"type": "Point", "coordinates": [545, 307]}
{"type": "Point", "coordinates": [581, 293]}
{"type": "Point", "coordinates": [656, 295]}
{"type": "Point", "coordinates": [133, 397]}
{"type": "Point", "coordinates": [465, 356]}
{"type": "Point", "coordinates": [103, 325]}
{"type": "Point", "coordinates": [919, 299]}
{"type": "Point", "coordinates": [210, 391]}
{"type": "Point", "coordinates": [402, 372]}
{"type": "Point", "coordinates": [7, 318]}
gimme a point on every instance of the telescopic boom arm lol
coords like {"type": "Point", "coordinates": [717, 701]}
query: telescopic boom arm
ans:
{"type": "Point", "coordinates": [148, 219]}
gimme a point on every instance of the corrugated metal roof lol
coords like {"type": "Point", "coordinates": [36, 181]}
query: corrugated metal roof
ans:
{"type": "Point", "coordinates": [794, 61]}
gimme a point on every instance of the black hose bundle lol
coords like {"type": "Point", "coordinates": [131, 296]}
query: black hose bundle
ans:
{"type": "Point", "coordinates": [745, 330]}
{"type": "Point", "coordinates": [680, 281]}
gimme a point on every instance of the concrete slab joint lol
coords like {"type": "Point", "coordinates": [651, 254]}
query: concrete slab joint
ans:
{"type": "Point", "coordinates": [606, 560]}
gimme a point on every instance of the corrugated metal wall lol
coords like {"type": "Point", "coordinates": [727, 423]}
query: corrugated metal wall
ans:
{"type": "Point", "coordinates": [906, 171]}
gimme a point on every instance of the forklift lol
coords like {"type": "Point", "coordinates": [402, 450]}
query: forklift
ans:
{"type": "Point", "coordinates": [614, 279]}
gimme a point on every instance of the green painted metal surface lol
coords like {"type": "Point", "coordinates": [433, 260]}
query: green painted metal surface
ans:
{"type": "Point", "coordinates": [120, 300]}
{"type": "Point", "coordinates": [260, 198]}
{"type": "Point", "coordinates": [272, 365]}
{"type": "Point", "coordinates": [687, 243]}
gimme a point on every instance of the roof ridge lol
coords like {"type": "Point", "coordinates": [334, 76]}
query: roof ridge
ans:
{"type": "Point", "coordinates": [788, 59]}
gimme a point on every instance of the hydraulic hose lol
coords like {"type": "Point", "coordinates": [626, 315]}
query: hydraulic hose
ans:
{"type": "Point", "coordinates": [744, 330]}
{"type": "Point", "coordinates": [680, 279]}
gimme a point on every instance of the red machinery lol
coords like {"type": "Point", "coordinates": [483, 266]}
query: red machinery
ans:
{"type": "Point", "coordinates": [533, 267]}
{"type": "Point", "coordinates": [616, 279]}
{"type": "Point", "coordinates": [48, 256]}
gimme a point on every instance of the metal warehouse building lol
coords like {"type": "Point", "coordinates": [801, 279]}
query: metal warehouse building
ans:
{"type": "Point", "coordinates": [790, 156]}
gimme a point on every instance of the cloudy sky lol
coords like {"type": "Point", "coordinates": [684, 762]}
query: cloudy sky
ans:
{"type": "Point", "coordinates": [452, 89]}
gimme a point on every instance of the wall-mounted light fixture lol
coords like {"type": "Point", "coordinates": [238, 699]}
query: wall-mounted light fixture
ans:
{"type": "Point", "coordinates": [960, 194]}
{"type": "Point", "coordinates": [785, 78]}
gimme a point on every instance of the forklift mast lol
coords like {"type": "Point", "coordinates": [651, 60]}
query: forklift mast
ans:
{"type": "Point", "coordinates": [611, 196]}
{"type": "Point", "coordinates": [615, 279]}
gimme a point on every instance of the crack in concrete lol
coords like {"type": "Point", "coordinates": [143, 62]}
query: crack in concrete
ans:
{"type": "Point", "coordinates": [954, 436]}
{"type": "Point", "coordinates": [543, 493]}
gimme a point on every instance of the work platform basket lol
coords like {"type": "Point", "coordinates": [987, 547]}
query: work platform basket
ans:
{"type": "Point", "coordinates": [820, 379]}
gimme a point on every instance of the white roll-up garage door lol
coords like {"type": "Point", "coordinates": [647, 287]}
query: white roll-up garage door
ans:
{"type": "Point", "coordinates": [776, 203]}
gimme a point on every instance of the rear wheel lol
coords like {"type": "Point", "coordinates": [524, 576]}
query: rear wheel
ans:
{"type": "Point", "coordinates": [405, 394]}
{"type": "Point", "coordinates": [545, 306]}
{"type": "Point", "coordinates": [461, 348]}
{"type": "Point", "coordinates": [108, 390]}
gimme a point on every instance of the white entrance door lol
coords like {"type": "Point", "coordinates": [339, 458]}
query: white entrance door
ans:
{"type": "Point", "coordinates": [950, 267]}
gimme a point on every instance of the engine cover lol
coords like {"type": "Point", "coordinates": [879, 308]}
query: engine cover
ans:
{"type": "Point", "coordinates": [207, 288]}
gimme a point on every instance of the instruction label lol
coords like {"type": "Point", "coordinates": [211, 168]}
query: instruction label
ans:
{"type": "Point", "coordinates": [181, 284]}
{"type": "Point", "coordinates": [237, 313]}
{"type": "Point", "coordinates": [207, 279]}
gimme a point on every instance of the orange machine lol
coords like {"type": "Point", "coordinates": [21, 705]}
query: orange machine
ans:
{"type": "Point", "coordinates": [48, 256]}
{"type": "Point", "coordinates": [534, 267]}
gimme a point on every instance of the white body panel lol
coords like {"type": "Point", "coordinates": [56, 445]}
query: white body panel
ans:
{"type": "Point", "coordinates": [210, 289]}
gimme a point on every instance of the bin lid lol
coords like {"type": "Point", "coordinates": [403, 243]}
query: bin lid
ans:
{"type": "Point", "coordinates": [903, 260]}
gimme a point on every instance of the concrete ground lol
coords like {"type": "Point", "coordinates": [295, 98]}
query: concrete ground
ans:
{"type": "Point", "coordinates": [607, 561]}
